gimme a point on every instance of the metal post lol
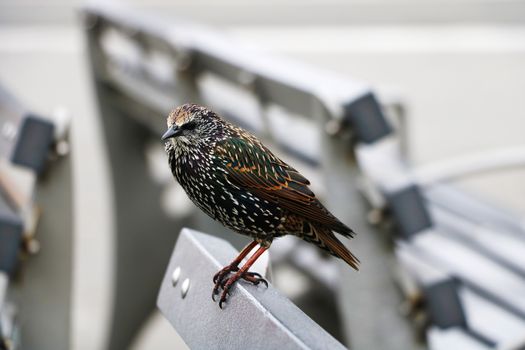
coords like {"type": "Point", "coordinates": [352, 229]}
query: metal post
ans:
{"type": "Point", "coordinates": [143, 234]}
{"type": "Point", "coordinates": [367, 298]}
{"type": "Point", "coordinates": [44, 291]}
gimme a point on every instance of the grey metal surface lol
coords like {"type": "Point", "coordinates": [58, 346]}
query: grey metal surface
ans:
{"type": "Point", "coordinates": [254, 317]}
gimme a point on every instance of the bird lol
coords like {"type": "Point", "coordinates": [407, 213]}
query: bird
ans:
{"type": "Point", "coordinates": [234, 178]}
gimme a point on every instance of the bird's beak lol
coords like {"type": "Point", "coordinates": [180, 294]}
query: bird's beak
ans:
{"type": "Point", "coordinates": [174, 131]}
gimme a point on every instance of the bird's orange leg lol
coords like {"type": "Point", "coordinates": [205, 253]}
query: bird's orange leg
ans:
{"type": "Point", "coordinates": [234, 266]}
{"type": "Point", "coordinates": [243, 273]}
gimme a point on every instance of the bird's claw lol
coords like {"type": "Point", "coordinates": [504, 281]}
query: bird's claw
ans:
{"type": "Point", "coordinates": [217, 278]}
{"type": "Point", "coordinates": [254, 278]}
{"type": "Point", "coordinates": [225, 284]}
{"type": "Point", "coordinates": [221, 301]}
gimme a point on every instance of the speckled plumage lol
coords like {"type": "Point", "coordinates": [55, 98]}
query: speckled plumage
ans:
{"type": "Point", "coordinates": [235, 179]}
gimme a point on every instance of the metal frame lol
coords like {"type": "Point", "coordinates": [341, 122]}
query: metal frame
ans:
{"type": "Point", "coordinates": [356, 142]}
{"type": "Point", "coordinates": [329, 101]}
{"type": "Point", "coordinates": [35, 198]}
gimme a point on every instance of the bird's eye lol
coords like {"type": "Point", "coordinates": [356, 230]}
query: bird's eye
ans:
{"type": "Point", "coordinates": [189, 126]}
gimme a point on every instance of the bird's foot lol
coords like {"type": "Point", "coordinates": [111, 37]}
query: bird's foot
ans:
{"type": "Point", "coordinates": [226, 284]}
{"type": "Point", "coordinates": [219, 278]}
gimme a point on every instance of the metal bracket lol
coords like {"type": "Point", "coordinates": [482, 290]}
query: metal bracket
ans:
{"type": "Point", "coordinates": [368, 120]}
{"type": "Point", "coordinates": [410, 211]}
{"type": "Point", "coordinates": [255, 317]}
{"type": "Point", "coordinates": [11, 230]}
{"type": "Point", "coordinates": [34, 143]}
{"type": "Point", "coordinates": [444, 304]}
{"type": "Point", "coordinates": [26, 144]}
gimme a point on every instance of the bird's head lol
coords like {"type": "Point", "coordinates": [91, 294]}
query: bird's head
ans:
{"type": "Point", "coordinates": [191, 124]}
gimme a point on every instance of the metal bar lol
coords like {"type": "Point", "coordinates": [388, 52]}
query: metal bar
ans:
{"type": "Point", "coordinates": [255, 317]}
{"type": "Point", "coordinates": [506, 321]}
{"type": "Point", "coordinates": [370, 291]}
{"type": "Point", "coordinates": [475, 210]}
{"type": "Point", "coordinates": [272, 78]}
{"type": "Point", "coordinates": [481, 239]}
{"type": "Point", "coordinates": [138, 213]}
{"type": "Point", "coordinates": [472, 164]}
{"type": "Point", "coordinates": [428, 268]}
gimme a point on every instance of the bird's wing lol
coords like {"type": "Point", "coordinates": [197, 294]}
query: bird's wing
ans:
{"type": "Point", "coordinates": [252, 166]}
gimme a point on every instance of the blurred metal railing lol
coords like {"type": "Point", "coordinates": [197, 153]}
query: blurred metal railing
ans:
{"type": "Point", "coordinates": [144, 66]}
{"type": "Point", "coordinates": [35, 206]}
{"type": "Point", "coordinates": [454, 245]}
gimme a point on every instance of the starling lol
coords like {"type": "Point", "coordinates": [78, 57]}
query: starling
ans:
{"type": "Point", "coordinates": [231, 176]}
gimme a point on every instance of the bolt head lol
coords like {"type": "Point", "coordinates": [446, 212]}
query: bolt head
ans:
{"type": "Point", "coordinates": [184, 288]}
{"type": "Point", "coordinates": [9, 131]}
{"type": "Point", "coordinates": [62, 148]}
{"type": "Point", "coordinates": [333, 127]}
{"type": "Point", "coordinates": [33, 246]}
{"type": "Point", "coordinates": [175, 276]}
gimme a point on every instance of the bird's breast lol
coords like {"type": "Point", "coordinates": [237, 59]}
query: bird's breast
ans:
{"type": "Point", "coordinates": [192, 171]}
{"type": "Point", "coordinates": [206, 182]}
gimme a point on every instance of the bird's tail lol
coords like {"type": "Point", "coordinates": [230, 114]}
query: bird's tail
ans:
{"type": "Point", "coordinates": [325, 239]}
